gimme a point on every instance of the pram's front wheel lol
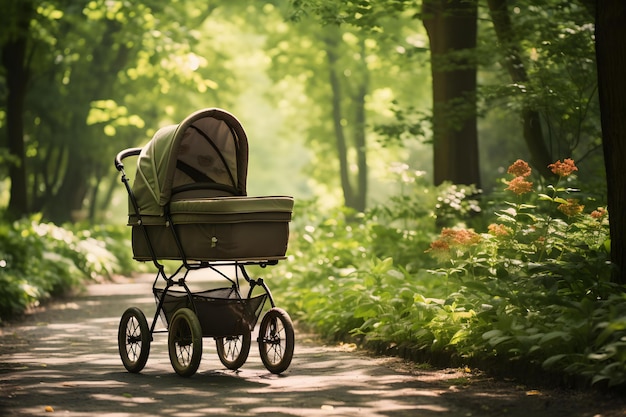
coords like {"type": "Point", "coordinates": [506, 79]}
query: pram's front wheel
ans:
{"type": "Point", "coordinates": [133, 339]}
{"type": "Point", "coordinates": [185, 342]}
{"type": "Point", "coordinates": [276, 340]}
{"type": "Point", "coordinates": [233, 350]}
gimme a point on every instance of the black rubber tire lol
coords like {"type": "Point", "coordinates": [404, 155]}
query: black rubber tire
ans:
{"type": "Point", "coordinates": [233, 350]}
{"type": "Point", "coordinates": [185, 342]}
{"type": "Point", "coordinates": [276, 340]}
{"type": "Point", "coordinates": [133, 339]}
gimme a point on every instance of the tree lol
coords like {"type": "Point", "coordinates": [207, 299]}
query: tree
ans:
{"type": "Point", "coordinates": [540, 156]}
{"type": "Point", "coordinates": [547, 52]}
{"type": "Point", "coordinates": [15, 63]}
{"type": "Point", "coordinates": [83, 61]}
{"type": "Point", "coordinates": [611, 62]}
{"type": "Point", "coordinates": [360, 60]}
{"type": "Point", "coordinates": [452, 29]}
{"type": "Point", "coordinates": [339, 86]}
{"type": "Point", "coordinates": [354, 192]}
{"type": "Point", "coordinates": [91, 81]}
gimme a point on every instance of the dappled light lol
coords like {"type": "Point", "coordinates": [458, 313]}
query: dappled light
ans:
{"type": "Point", "coordinates": [65, 357]}
{"type": "Point", "coordinates": [70, 362]}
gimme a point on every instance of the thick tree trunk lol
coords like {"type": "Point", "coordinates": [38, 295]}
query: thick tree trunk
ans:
{"type": "Point", "coordinates": [452, 29]}
{"type": "Point", "coordinates": [611, 62]}
{"type": "Point", "coordinates": [66, 204]}
{"type": "Point", "coordinates": [14, 61]}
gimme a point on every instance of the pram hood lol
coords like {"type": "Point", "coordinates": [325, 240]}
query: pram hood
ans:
{"type": "Point", "coordinates": [209, 146]}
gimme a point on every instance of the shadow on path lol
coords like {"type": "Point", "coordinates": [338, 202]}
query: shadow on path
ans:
{"type": "Point", "coordinates": [64, 359]}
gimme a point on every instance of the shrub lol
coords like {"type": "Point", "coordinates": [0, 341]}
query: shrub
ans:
{"type": "Point", "coordinates": [39, 260]}
{"type": "Point", "coordinates": [532, 288]}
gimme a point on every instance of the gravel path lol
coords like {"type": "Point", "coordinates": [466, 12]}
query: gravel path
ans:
{"type": "Point", "coordinates": [63, 360]}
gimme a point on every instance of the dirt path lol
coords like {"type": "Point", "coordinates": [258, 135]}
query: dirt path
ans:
{"type": "Point", "coordinates": [63, 360]}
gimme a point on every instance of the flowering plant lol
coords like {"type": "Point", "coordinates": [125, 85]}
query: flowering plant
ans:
{"type": "Point", "coordinates": [526, 232]}
{"type": "Point", "coordinates": [537, 281]}
{"type": "Point", "coordinates": [530, 286]}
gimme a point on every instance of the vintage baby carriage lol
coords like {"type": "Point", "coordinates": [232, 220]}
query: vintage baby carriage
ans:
{"type": "Point", "coordinates": [188, 203]}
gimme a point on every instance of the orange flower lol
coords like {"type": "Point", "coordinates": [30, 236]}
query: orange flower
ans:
{"type": "Point", "coordinates": [440, 250]}
{"type": "Point", "coordinates": [519, 185]}
{"type": "Point", "coordinates": [563, 169]}
{"type": "Point", "coordinates": [456, 237]}
{"type": "Point", "coordinates": [498, 229]}
{"type": "Point", "coordinates": [451, 238]}
{"type": "Point", "coordinates": [439, 245]}
{"type": "Point", "coordinates": [466, 237]}
{"type": "Point", "coordinates": [519, 169]}
{"type": "Point", "coordinates": [571, 208]}
{"type": "Point", "coordinates": [599, 213]}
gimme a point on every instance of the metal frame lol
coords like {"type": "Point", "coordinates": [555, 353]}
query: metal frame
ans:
{"type": "Point", "coordinates": [186, 266]}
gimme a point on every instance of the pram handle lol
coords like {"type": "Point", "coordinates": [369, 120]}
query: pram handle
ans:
{"type": "Point", "coordinates": [125, 154]}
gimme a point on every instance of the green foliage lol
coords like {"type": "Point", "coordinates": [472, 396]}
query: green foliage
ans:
{"type": "Point", "coordinates": [116, 67]}
{"type": "Point", "coordinates": [534, 287]}
{"type": "Point", "coordinates": [556, 50]}
{"type": "Point", "coordinates": [40, 260]}
{"type": "Point", "coordinates": [342, 263]}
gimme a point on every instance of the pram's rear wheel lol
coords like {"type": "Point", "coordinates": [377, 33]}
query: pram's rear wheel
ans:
{"type": "Point", "coordinates": [276, 340]}
{"type": "Point", "coordinates": [233, 350]}
{"type": "Point", "coordinates": [133, 339]}
{"type": "Point", "coordinates": [185, 342]}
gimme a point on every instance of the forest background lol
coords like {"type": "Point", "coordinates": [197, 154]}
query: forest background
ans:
{"type": "Point", "coordinates": [396, 125]}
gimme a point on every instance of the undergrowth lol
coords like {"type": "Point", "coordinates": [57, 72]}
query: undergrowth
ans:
{"type": "Point", "coordinates": [530, 289]}
{"type": "Point", "coordinates": [39, 260]}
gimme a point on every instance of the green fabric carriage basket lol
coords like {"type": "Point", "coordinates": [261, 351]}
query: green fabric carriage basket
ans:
{"type": "Point", "coordinates": [195, 172]}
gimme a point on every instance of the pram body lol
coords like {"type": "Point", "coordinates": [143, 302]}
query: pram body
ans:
{"type": "Point", "coordinates": [188, 202]}
{"type": "Point", "coordinates": [217, 229]}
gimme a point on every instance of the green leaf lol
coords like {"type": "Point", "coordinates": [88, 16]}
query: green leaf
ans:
{"type": "Point", "coordinates": [599, 378]}
{"type": "Point", "coordinates": [553, 360]}
{"type": "Point", "coordinates": [491, 334]}
{"type": "Point", "coordinates": [549, 337]}
{"type": "Point", "coordinates": [459, 336]}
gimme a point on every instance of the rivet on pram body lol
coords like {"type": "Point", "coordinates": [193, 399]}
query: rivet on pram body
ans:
{"type": "Point", "coordinates": [188, 203]}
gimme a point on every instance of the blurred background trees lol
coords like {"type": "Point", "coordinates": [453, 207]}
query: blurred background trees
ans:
{"type": "Point", "coordinates": [333, 94]}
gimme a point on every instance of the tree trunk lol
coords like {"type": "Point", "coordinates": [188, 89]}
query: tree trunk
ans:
{"type": "Point", "coordinates": [540, 156]}
{"type": "Point", "coordinates": [354, 190]}
{"type": "Point", "coordinates": [360, 135]}
{"type": "Point", "coordinates": [611, 62]}
{"type": "Point", "coordinates": [337, 116]}
{"type": "Point", "coordinates": [451, 26]}
{"type": "Point", "coordinates": [14, 61]}
{"type": "Point", "coordinates": [66, 204]}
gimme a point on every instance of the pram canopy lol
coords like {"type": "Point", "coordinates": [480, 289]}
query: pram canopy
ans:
{"type": "Point", "coordinates": [207, 150]}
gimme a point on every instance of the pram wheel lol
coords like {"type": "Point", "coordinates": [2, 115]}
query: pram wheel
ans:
{"type": "Point", "coordinates": [133, 340]}
{"type": "Point", "coordinates": [233, 350]}
{"type": "Point", "coordinates": [276, 340]}
{"type": "Point", "coordinates": [185, 342]}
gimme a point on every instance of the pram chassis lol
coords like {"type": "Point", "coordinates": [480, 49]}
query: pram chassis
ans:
{"type": "Point", "coordinates": [179, 311]}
